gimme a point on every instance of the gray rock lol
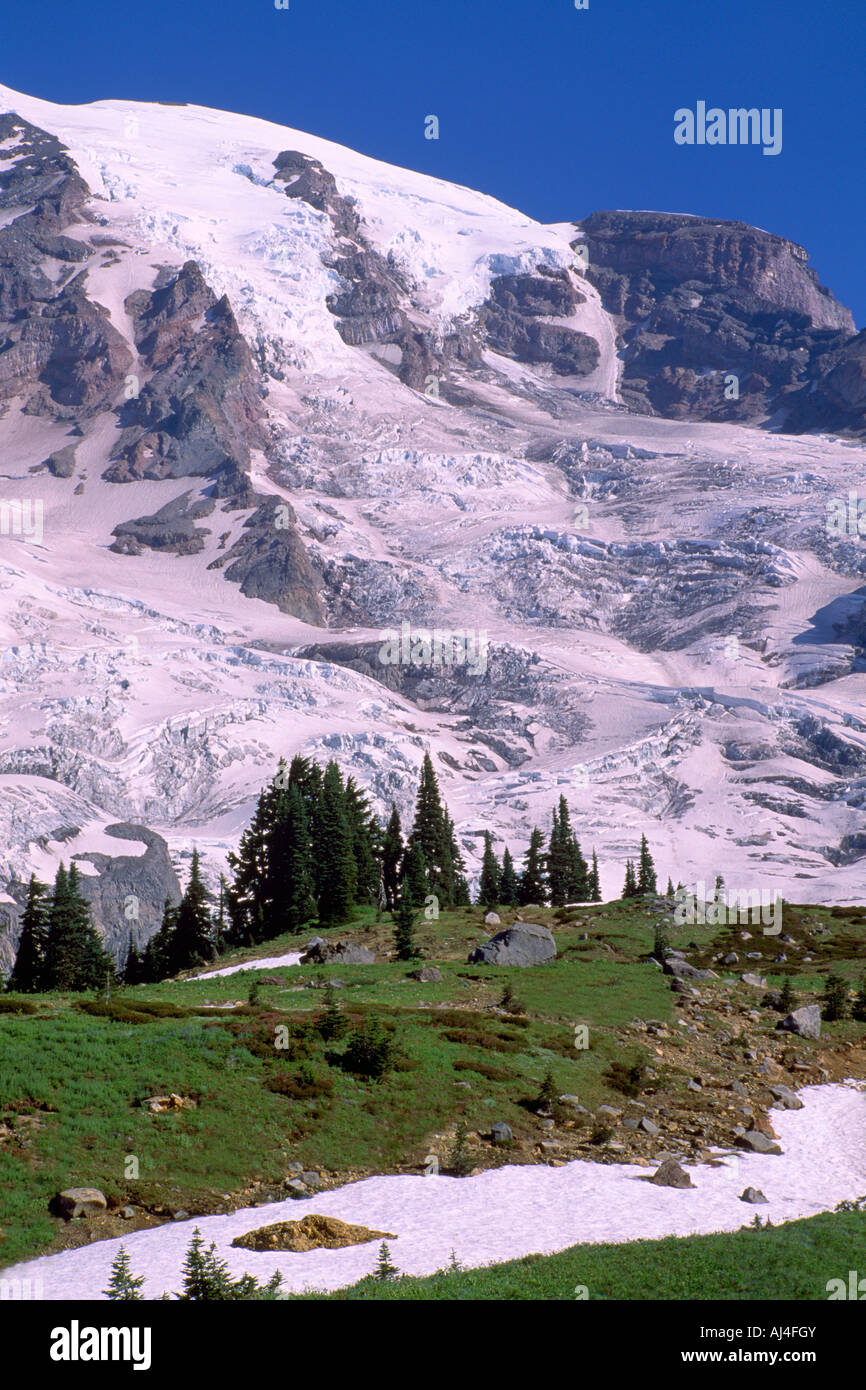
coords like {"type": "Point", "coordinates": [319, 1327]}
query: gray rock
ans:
{"type": "Point", "coordinates": [501, 1133]}
{"type": "Point", "coordinates": [787, 1098]}
{"type": "Point", "coordinates": [180, 1215]}
{"type": "Point", "coordinates": [731, 958]}
{"type": "Point", "coordinates": [756, 981]}
{"type": "Point", "coordinates": [805, 1022]}
{"type": "Point", "coordinates": [78, 1201]}
{"type": "Point", "coordinates": [320, 952]}
{"type": "Point", "coordinates": [760, 1143]}
{"type": "Point", "coordinates": [492, 919]}
{"type": "Point", "coordinates": [649, 1127]}
{"type": "Point", "coordinates": [428, 975]}
{"type": "Point", "coordinates": [126, 1213]}
{"type": "Point", "coordinates": [670, 1174]}
{"type": "Point", "coordinates": [296, 1188]}
{"type": "Point", "coordinates": [753, 1195]}
{"type": "Point", "coordinates": [312, 1179]}
{"type": "Point", "coordinates": [608, 1112]}
{"type": "Point", "coordinates": [524, 944]}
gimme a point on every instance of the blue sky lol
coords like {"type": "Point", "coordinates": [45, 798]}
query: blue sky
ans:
{"type": "Point", "coordinates": [554, 110]}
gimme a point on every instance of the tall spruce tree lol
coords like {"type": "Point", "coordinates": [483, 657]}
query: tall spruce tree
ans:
{"type": "Point", "coordinates": [75, 959]}
{"type": "Point", "coordinates": [646, 873]}
{"type": "Point", "coordinates": [430, 832]}
{"type": "Point", "coordinates": [458, 864]}
{"type": "Point", "coordinates": [251, 874]}
{"type": "Point", "coordinates": [491, 874]}
{"type": "Point", "coordinates": [508, 885]}
{"type": "Point", "coordinates": [392, 857]}
{"type": "Point", "coordinates": [532, 883]}
{"type": "Point", "coordinates": [132, 971]}
{"type": "Point", "coordinates": [404, 931]}
{"type": "Point", "coordinates": [559, 863]}
{"type": "Point", "coordinates": [28, 972]}
{"type": "Point", "coordinates": [192, 943]}
{"type": "Point", "coordinates": [365, 835]}
{"type": "Point", "coordinates": [333, 854]}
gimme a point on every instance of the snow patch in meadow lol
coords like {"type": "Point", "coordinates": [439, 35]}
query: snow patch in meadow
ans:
{"type": "Point", "coordinates": [508, 1212]}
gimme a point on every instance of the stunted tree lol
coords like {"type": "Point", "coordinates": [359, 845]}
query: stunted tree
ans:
{"type": "Point", "coordinates": [646, 871]}
{"type": "Point", "coordinates": [594, 883]}
{"type": "Point", "coordinates": [630, 885]}
{"type": "Point", "coordinates": [392, 857]}
{"type": "Point", "coordinates": [508, 884]}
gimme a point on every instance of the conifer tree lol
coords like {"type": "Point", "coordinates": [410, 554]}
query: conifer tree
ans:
{"type": "Point", "coordinates": [28, 973]}
{"type": "Point", "coordinates": [646, 873]}
{"type": "Point", "coordinates": [858, 1011]}
{"type": "Point", "coordinates": [669, 891]}
{"type": "Point", "coordinates": [430, 832]}
{"type": "Point", "coordinates": [132, 970]}
{"type": "Point", "coordinates": [404, 932]}
{"type": "Point", "coordinates": [192, 943]}
{"type": "Point", "coordinates": [594, 881]}
{"type": "Point", "coordinates": [365, 835]}
{"type": "Point", "coordinates": [488, 890]}
{"type": "Point", "coordinates": [413, 878]}
{"type": "Point", "coordinates": [458, 864]}
{"type": "Point", "coordinates": [333, 855]}
{"type": "Point", "coordinates": [123, 1285]}
{"type": "Point", "coordinates": [157, 961]}
{"type": "Point", "coordinates": [532, 884]}
{"type": "Point", "coordinates": [392, 857]}
{"type": "Point", "coordinates": [74, 955]}
{"type": "Point", "coordinates": [508, 885]}
{"type": "Point", "coordinates": [291, 866]}
{"type": "Point", "coordinates": [558, 864]}
{"type": "Point", "coordinates": [251, 874]}
{"type": "Point", "coordinates": [630, 886]}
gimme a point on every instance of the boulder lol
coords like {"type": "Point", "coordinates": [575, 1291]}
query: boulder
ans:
{"type": "Point", "coordinates": [321, 952]}
{"type": "Point", "coordinates": [681, 970]}
{"type": "Point", "coordinates": [428, 975]}
{"type": "Point", "coordinates": [78, 1201]}
{"type": "Point", "coordinates": [787, 1099]}
{"type": "Point", "coordinates": [756, 981]}
{"type": "Point", "coordinates": [492, 919]}
{"type": "Point", "coordinates": [805, 1022]}
{"type": "Point", "coordinates": [753, 1195]}
{"type": "Point", "coordinates": [670, 1174]}
{"type": "Point", "coordinates": [649, 1127]}
{"type": "Point", "coordinates": [760, 1143]}
{"type": "Point", "coordinates": [501, 1133]}
{"type": "Point", "coordinates": [526, 943]}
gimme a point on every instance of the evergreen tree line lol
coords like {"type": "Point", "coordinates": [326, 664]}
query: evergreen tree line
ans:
{"type": "Point", "coordinates": [555, 874]}
{"type": "Point", "coordinates": [59, 947]}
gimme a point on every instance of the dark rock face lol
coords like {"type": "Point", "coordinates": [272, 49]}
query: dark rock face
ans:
{"type": "Point", "coordinates": [269, 562]}
{"type": "Point", "coordinates": [697, 300]}
{"type": "Point", "coordinates": [512, 321]}
{"type": "Point", "coordinates": [58, 350]}
{"type": "Point", "coordinates": [171, 528]}
{"type": "Point", "coordinates": [201, 411]}
{"type": "Point", "coordinates": [128, 892]}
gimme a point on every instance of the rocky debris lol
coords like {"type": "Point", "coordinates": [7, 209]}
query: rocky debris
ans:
{"type": "Point", "coordinates": [427, 975]}
{"type": "Point", "coordinates": [524, 944]}
{"type": "Point", "coordinates": [754, 1196]}
{"type": "Point", "coordinates": [322, 952]}
{"type": "Point", "coordinates": [649, 1126]}
{"type": "Point", "coordinates": [805, 1022]}
{"type": "Point", "coordinates": [312, 1232]}
{"type": "Point", "coordinates": [78, 1201]}
{"type": "Point", "coordinates": [159, 1105]}
{"type": "Point", "coordinates": [670, 1174]}
{"type": "Point", "coordinates": [501, 1133]}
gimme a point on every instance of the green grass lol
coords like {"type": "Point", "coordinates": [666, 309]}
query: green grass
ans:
{"type": "Point", "coordinates": [794, 1261]}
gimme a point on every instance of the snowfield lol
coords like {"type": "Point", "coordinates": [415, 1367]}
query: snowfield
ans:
{"type": "Point", "coordinates": [507, 1212]}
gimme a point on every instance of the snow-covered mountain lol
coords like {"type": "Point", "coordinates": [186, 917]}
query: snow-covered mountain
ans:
{"type": "Point", "coordinates": [265, 401]}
